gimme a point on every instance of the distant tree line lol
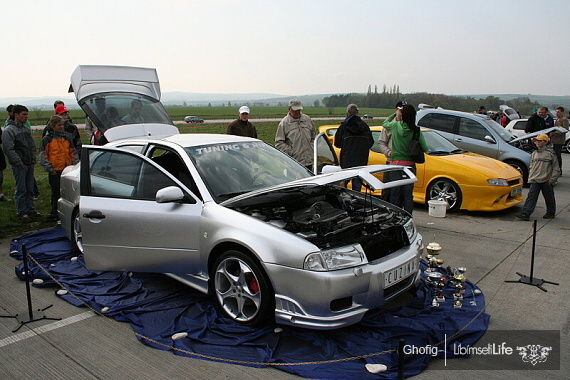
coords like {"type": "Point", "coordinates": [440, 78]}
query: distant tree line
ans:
{"type": "Point", "coordinates": [390, 96]}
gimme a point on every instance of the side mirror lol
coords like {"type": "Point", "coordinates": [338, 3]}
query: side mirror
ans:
{"type": "Point", "coordinates": [169, 194]}
{"type": "Point", "coordinates": [490, 139]}
{"type": "Point", "coordinates": [330, 169]}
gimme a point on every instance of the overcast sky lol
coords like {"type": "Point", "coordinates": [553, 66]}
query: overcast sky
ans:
{"type": "Point", "coordinates": [293, 47]}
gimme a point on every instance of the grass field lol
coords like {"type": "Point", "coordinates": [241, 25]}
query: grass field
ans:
{"type": "Point", "coordinates": [213, 113]}
{"type": "Point", "coordinates": [10, 225]}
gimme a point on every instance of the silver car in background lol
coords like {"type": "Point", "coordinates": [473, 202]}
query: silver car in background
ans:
{"type": "Point", "coordinates": [476, 133]}
{"type": "Point", "coordinates": [236, 218]}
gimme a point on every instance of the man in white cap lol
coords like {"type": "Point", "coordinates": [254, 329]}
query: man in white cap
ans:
{"type": "Point", "coordinates": [242, 126]}
{"type": "Point", "coordinates": [296, 134]}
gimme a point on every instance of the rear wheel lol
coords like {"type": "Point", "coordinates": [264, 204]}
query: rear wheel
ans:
{"type": "Point", "coordinates": [77, 235]}
{"type": "Point", "coordinates": [567, 146]}
{"type": "Point", "coordinates": [242, 289]}
{"type": "Point", "coordinates": [443, 189]}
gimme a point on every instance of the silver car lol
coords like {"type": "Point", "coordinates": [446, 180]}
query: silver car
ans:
{"type": "Point", "coordinates": [476, 133]}
{"type": "Point", "coordinates": [234, 217]}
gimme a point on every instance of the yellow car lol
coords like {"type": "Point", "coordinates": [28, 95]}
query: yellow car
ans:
{"type": "Point", "coordinates": [464, 180]}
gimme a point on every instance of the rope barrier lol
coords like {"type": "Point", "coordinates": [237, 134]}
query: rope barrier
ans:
{"type": "Point", "coordinates": [233, 361]}
{"type": "Point", "coordinates": [488, 302]}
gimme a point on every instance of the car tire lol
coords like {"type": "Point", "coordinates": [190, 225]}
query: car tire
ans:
{"type": "Point", "coordinates": [242, 289]}
{"type": "Point", "coordinates": [443, 189]}
{"type": "Point", "coordinates": [567, 146]}
{"type": "Point", "coordinates": [520, 167]}
{"type": "Point", "coordinates": [76, 233]}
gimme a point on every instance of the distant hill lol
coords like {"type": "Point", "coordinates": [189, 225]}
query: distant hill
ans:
{"type": "Point", "coordinates": [549, 101]}
{"type": "Point", "coordinates": [236, 99]}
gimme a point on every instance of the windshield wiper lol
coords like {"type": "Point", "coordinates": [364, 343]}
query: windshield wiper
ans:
{"type": "Point", "coordinates": [439, 152]}
{"type": "Point", "coordinates": [231, 195]}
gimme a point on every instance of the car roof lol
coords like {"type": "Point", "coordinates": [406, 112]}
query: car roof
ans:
{"type": "Point", "coordinates": [187, 140]}
{"type": "Point", "coordinates": [455, 113]}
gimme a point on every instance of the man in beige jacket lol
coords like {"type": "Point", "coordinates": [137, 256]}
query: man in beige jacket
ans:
{"type": "Point", "coordinates": [295, 134]}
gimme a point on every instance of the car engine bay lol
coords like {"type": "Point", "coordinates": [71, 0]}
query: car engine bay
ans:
{"type": "Point", "coordinates": [332, 216]}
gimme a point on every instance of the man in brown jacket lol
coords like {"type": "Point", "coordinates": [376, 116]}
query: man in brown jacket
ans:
{"type": "Point", "coordinates": [559, 138]}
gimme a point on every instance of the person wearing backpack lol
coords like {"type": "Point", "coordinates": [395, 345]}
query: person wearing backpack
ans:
{"type": "Point", "coordinates": [403, 126]}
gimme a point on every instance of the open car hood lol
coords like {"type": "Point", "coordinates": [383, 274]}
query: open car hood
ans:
{"type": "Point", "coordinates": [510, 112]}
{"type": "Point", "coordinates": [365, 173]}
{"type": "Point", "coordinates": [534, 134]}
{"type": "Point", "coordinates": [88, 80]}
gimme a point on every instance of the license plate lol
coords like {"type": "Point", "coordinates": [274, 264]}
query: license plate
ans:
{"type": "Point", "coordinates": [397, 274]}
{"type": "Point", "coordinates": [516, 191]}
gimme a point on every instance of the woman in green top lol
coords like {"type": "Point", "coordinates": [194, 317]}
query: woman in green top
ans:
{"type": "Point", "coordinates": [402, 125]}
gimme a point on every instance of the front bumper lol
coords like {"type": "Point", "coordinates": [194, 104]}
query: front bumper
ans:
{"type": "Point", "coordinates": [489, 198]}
{"type": "Point", "coordinates": [333, 299]}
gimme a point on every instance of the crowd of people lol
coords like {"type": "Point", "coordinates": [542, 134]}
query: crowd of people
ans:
{"type": "Point", "coordinates": [61, 146]}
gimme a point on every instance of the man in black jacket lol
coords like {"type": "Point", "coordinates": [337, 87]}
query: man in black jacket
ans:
{"type": "Point", "coordinates": [354, 139]}
{"type": "Point", "coordinates": [537, 121]}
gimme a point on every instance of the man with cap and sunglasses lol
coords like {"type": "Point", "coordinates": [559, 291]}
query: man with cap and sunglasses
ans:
{"type": "Point", "coordinates": [242, 126]}
{"type": "Point", "coordinates": [544, 171]}
{"type": "Point", "coordinates": [295, 134]}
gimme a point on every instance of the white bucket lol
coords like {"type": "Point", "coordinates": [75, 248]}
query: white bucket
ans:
{"type": "Point", "coordinates": [437, 208]}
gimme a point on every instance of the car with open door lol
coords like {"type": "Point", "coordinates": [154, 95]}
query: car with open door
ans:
{"type": "Point", "coordinates": [234, 217]}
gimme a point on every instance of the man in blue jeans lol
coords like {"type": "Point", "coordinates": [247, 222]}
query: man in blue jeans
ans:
{"type": "Point", "coordinates": [20, 149]}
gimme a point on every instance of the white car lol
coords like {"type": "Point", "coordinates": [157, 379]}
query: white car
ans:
{"type": "Point", "coordinates": [233, 216]}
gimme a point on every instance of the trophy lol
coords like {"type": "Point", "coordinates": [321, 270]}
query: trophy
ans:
{"type": "Point", "coordinates": [441, 286]}
{"type": "Point", "coordinates": [433, 281]}
{"type": "Point", "coordinates": [459, 278]}
{"type": "Point", "coordinates": [434, 263]}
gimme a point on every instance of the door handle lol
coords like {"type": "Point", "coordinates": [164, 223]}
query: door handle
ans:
{"type": "Point", "coordinates": [95, 214]}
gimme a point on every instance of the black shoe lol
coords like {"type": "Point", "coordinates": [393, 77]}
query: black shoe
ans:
{"type": "Point", "coordinates": [548, 216]}
{"type": "Point", "coordinates": [523, 217]}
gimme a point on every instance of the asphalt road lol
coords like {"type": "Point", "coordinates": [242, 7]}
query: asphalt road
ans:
{"type": "Point", "coordinates": [177, 122]}
{"type": "Point", "coordinates": [492, 246]}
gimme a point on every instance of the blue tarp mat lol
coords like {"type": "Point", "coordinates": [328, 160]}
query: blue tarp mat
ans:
{"type": "Point", "coordinates": [157, 307]}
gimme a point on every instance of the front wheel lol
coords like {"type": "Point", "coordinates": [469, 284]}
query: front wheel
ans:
{"type": "Point", "coordinates": [242, 289]}
{"type": "Point", "coordinates": [520, 167]}
{"type": "Point", "coordinates": [567, 146]}
{"type": "Point", "coordinates": [443, 189]}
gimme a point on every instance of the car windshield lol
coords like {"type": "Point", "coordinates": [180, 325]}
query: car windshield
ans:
{"type": "Point", "coordinates": [232, 169]}
{"type": "Point", "coordinates": [502, 132]}
{"type": "Point", "coordinates": [438, 144]}
{"type": "Point", "coordinates": [113, 109]}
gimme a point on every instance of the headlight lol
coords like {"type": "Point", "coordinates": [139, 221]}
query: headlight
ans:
{"type": "Point", "coordinates": [497, 182]}
{"type": "Point", "coordinates": [410, 230]}
{"type": "Point", "coordinates": [336, 258]}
